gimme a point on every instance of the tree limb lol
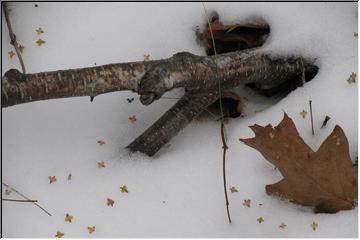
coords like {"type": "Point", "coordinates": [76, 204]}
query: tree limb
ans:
{"type": "Point", "coordinates": [152, 79]}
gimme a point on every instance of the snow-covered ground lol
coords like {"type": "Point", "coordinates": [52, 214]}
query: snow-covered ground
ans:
{"type": "Point", "coordinates": [179, 192]}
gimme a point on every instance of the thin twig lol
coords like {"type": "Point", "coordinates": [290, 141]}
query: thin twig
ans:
{"type": "Point", "coordinates": [312, 122]}
{"type": "Point", "coordinates": [18, 200]}
{"type": "Point", "coordinates": [13, 36]}
{"type": "Point", "coordinates": [22, 195]}
{"type": "Point", "coordinates": [225, 147]}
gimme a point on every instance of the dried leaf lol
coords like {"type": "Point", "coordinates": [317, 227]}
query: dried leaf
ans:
{"type": "Point", "coordinates": [247, 203]}
{"type": "Point", "coordinates": [40, 42]}
{"type": "Point", "coordinates": [110, 202]}
{"type": "Point", "coordinates": [233, 189]}
{"type": "Point", "coordinates": [323, 179]}
{"type": "Point", "coordinates": [39, 31]}
{"type": "Point", "coordinates": [314, 225]}
{"type": "Point", "coordinates": [282, 226]}
{"type": "Point", "coordinates": [11, 54]}
{"type": "Point", "coordinates": [70, 176]}
{"type": "Point", "coordinates": [68, 218]}
{"type": "Point", "coordinates": [21, 48]}
{"type": "Point", "coordinates": [101, 142]}
{"type": "Point", "coordinates": [124, 189]}
{"type": "Point", "coordinates": [91, 229]}
{"type": "Point", "coordinates": [303, 113]}
{"type": "Point", "coordinates": [59, 234]}
{"type": "Point", "coordinates": [52, 179]}
{"type": "Point", "coordinates": [167, 146]}
{"type": "Point", "coordinates": [146, 57]}
{"type": "Point", "coordinates": [352, 78]}
{"type": "Point", "coordinates": [101, 164]}
{"type": "Point", "coordinates": [260, 220]}
{"type": "Point", "coordinates": [132, 119]}
{"type": "Point", "coordinates": [355, 34]}
{"type": "Point", "coordinates": [7, 192]}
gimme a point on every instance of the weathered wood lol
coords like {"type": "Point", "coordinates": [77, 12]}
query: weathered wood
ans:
{"type": "Point", "coordinates": [172, 122]}
{"type": "Point", "coordinates": [200, 76]}
{"type": "Point", "coordinates": [152, 79]}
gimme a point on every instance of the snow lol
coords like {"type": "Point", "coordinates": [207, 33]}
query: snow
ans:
{"type": "Point", "coordinates": [179, 192]}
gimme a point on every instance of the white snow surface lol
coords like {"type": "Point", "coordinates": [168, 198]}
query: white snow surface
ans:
{"type": "Point", "coordinates": [179, 192]}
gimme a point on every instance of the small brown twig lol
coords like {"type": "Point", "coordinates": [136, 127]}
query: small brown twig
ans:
{"type": "Point", "coordinates": [312, 122]}
{"type": "Point", "coordinates": [13, 36]}
{"type": "Point", "coordinates": [225, 147]}
{"type": "Point", "coordinates": [22, 195]}
{"type": "Point", "coordinates": [18, 200]}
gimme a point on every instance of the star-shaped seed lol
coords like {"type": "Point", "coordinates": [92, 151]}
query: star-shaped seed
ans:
{"type": "Point", "coordinates": [132, 119]}
{"type": "Point", "coordinates": [52, 179]}
{"type": "Point", "coordinates": [247, 202]}
{"type": "Point", "coordinates": [59, 234]}
{"type": "Point", "coordinates": [260, 220]}
{"type": "Point", "coordinates": [40, 42]}
{"type": "Point", "coordinates": [110, 202]}
{"type": "Point", "coordinates": [146, 57]}
{"type": "Point", "coordinates": [314, 225]}
{"type": "Point", "coordinates": [124, 189]}
{"type": "Point", "coordinates": [68, 218]}
{"type": "Point", "coordinates": [91, 229]}
{"type": "Point", "coordinates": [233, 189]}
{"type": "Point", "coordinates": [39, 31]}
{"type": "Point", "coordinates": [7, 192]}
{"type": "Point", "coordinates": [282, 226]}
{"type": "Point", "coordinates": [303, 113]}
{"type": "Point", "coordinates": [101, 142]}
{"type": "Point", "coordinates": [11, 54]}
{"type": "Point", "coordinates": [21, 48]}
{"type": "Point", "coordinates": [101, 164]}
{"type": "Point", "coordinates": [352, 78]}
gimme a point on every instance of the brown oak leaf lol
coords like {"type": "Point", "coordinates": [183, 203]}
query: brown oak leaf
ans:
{"type": "Point", "coordinates": [323, 179]}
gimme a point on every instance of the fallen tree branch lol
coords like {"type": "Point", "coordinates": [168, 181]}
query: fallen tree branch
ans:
{"type": "Point", "coordinates": [152, 79]}
{"type": "Point", "coordinates": [200, 76]}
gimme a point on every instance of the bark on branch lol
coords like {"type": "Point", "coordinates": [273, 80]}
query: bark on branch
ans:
{"type": "Point", "coordinates": [152, 79]}
{"type": "Point", "coordinates": [200, 76]}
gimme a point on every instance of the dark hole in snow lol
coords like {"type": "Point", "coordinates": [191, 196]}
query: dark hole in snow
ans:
{"type": "Point", "coordinates": [241, 36]}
